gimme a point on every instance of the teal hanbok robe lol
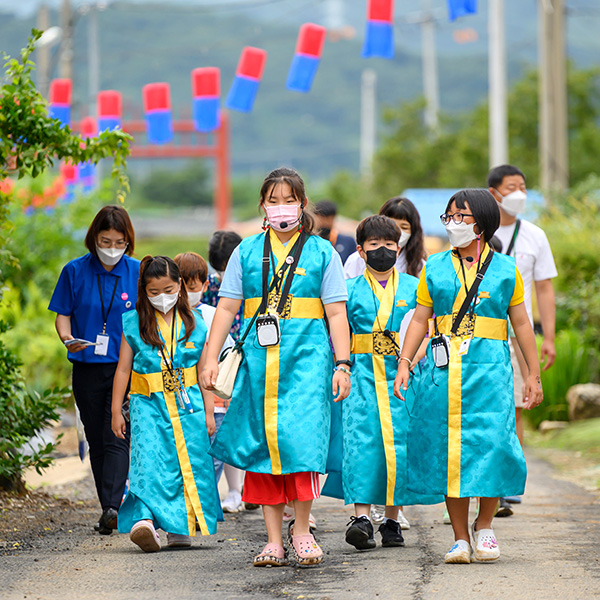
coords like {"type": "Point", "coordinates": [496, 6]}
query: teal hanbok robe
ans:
{"type": "Point", "coordinates": [278, 420]}
{"type": "Point", "coordinates": [462, 439]}
{"type": "Point", "coordinates": [172, 477]}
{"type": "Point", "coordinates": [374, 421]}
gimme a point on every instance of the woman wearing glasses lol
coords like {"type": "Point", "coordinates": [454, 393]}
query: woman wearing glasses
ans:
{"type": "Point", "coordinates": [91, 295]}
{"type": "Point", "coordinates": [462, 439]}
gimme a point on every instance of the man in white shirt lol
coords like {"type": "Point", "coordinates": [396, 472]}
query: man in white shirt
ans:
{"type": "Point", "coordinates": [529, 245]}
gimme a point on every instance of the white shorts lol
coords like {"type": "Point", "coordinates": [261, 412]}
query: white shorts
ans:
{"type": "Point", "coordinates": [517, 377]}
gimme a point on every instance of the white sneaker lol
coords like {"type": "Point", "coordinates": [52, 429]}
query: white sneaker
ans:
{"type": "Point", "coordinates": [460, 553]}
{"type": "Point", "coordinates": [145, 536]}
{"type": "Point", "coordinates": [177, 540]}
{"type": "Point", "coordinates": [486, 546]}
{"type": "Point", "coordinates": [404, 524]}
{"type": "Point", "coordinates": [232, 503]}
{"type": "Point", "coordinates": [377, 513]}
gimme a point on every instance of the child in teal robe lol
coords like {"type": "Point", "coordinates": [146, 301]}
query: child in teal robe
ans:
{"type": "Point", "coordinates": [172, 480]}
{"type": "Point", "coordinates": [462, 440]}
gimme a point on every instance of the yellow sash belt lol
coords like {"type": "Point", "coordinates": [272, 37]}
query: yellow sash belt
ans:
{"type": "Point", "coordinates": [301, 308]}
{"type": "Point", "coordinates": [373, 343]}
{"type": "Point", "coordinates": [152, 383]}
{"type": "Point", "coordinates": [485, 327]}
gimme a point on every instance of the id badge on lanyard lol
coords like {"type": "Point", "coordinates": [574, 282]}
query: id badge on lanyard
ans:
{"type": "Point", "coordinates": [102, 340]}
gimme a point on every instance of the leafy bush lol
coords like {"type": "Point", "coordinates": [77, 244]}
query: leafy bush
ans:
{"type": "Point", "coordinates": [572, 224]}
{"type": "Point", "coordinates": [22, 416]}
{"type": "Point", "coordinates": [575, 363]}
{"type": "Point", "coordinates": [32, 337]}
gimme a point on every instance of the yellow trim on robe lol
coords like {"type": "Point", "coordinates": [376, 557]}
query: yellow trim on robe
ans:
{"type": "Point", "coordinates": [386, 297]}
{"type": "Point", "coordinates": [152, 383]}
{"type": "Point", "coordinates": [454, 418]}
{"type": "Point", "coordinates": [485, 327]}
{"type": "Point", "coordinates": [362, 343]}
{"type": "Point", "coordinates": [454, 379]}
{"type": "Point", "coordinates": [189, 485]}
{"type": "Point", "coordinates": [271, 394]}
{"type": "Point", "coordinates": [313, 306]}
{"type": "Point", "coordinates": [279, 250]}
{"type": "Point", "coordinates": [302, 308]}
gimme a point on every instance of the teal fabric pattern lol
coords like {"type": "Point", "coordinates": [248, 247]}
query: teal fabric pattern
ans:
{"type": "Point", "coordinates": [491, 461]}
{"type": "Point", "coordinates": [156, 488]}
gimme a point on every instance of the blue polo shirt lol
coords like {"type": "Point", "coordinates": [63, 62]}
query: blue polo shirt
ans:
{"type": "Point", "coordinates": [77, 296]}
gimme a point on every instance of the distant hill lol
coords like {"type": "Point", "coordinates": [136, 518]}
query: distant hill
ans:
{"type": "Point", "coordinates": [317, 132]}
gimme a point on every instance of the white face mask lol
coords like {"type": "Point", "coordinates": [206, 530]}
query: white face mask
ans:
{"type": "Point", "coordinates": [460, 235]}
{"type": "Point", "coordinates": [109, 256]}
{"type": "Point", "coordinates": [164, 302]}
{"type": "Point", "coordinates": [194, 298]}
{"type": "Point", "coordinates": [404, 237]}
{"type": "Point", "coordinates": [513, 203]}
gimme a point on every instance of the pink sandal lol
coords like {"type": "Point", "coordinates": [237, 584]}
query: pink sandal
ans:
{"type": "Point", "coordinates": [306, 549]}
{"type": "Point", "coordinates": [272, 555]}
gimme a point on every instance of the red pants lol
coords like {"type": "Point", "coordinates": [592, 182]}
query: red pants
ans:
{"type": "Point", "coordinates": [264, 488]}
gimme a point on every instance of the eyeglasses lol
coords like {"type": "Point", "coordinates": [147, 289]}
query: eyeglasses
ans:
{"type": "Point", "coordinates": [106, 243]}
{"type": "Point", "coordinates": [456, 217]}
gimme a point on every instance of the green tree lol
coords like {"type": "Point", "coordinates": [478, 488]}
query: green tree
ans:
{"type": "Point", "coordinates": [457, 156]}
{"type": "Point", "coordinates": [189, 186]}
{"type": "Point", "coordinates": [30, 142]}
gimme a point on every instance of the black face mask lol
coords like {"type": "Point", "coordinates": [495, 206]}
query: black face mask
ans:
{"type": "Point", "coordinates": [381, 259]}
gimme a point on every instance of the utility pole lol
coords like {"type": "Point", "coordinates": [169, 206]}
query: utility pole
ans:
{"type": "Point", "coordinates": [93, 59]}
{"type": "Point", "coordinates": [334, 14]}
{"type": "Point", "coordinates": [43, 52]}
{"type": "Point", "coordinates": [430, 72]}
{"type": "Point", "coordinates": [498, 113]}
{"type": "Point", "coordinates": [368, 121]}
{"type": "Point", "coordinates": [553, 119]}
{"type": "Point", "coordinates": [66, 48]}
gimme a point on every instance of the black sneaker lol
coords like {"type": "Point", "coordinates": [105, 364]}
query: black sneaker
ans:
{"type": "Point", "coordinates": [504, 509]}
{"type": "Point", "coordinates": [391, 534]}
{"type": "Point", "coordinates": [360, 533]}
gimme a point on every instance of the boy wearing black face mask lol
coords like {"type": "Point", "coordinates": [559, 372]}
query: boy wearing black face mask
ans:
{"type": "Point", "coordinates": [374, 424]}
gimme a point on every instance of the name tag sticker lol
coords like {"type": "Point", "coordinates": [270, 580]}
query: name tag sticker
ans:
{"type": "Point", "coordinates": [401, 303]}
{"type": "Point", "coordinates": [300, 271]}
{"type": "Point", "coordinates": [189, 345]}
{"type": "Point", "coordinates": [484, 295]}
{"type": "Point", "coordinates": [464, 346]}
{"type": "Point", "coordinates": [102, 348]}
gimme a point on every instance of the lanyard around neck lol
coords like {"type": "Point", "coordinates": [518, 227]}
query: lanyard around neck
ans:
{"type": "Point", "coordinates": [105, 316]}
{"type": "Point", "coordinates": [278, 277]}
{"type": "Point", "coordinates": [169, 357]}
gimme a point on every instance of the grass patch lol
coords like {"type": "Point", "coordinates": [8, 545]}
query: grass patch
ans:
{"type": "Point", "coordinates": [579, 436]}
{"type": "Point", "coordinates": [171, 246]}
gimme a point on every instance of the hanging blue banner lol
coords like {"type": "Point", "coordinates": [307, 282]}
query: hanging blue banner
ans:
{"type": "Point", "coordinates": [460, 8]}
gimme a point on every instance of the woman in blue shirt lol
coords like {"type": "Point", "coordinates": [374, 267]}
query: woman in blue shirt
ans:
{"type": "Point", "coordinates": [91, 295]}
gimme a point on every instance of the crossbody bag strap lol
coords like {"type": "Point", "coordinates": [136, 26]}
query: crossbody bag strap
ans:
{"type": "Point", "coordinates": [471, 293]}
{"type": "Point", "coordinates": [296, 252]}
{"type": "Point", "coordinates": [514, 237]}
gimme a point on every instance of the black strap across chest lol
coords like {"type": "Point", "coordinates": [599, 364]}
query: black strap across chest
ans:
{"type": "Point", "coordinates": [514, 237]}
{"type": "Point", "coordinates": [288, 266]}
{"type": "Point", "coordinates": [471, 292]}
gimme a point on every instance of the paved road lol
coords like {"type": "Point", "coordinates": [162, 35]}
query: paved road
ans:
{"type": "Point", "coordinates": [550, 550]}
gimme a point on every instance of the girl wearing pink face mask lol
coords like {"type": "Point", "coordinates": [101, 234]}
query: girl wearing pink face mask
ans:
{"type": "Point", "coordinates": [277, 426]}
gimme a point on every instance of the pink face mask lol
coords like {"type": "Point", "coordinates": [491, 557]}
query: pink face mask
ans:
{"type": "Point", "coordinates": [283, 217]}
